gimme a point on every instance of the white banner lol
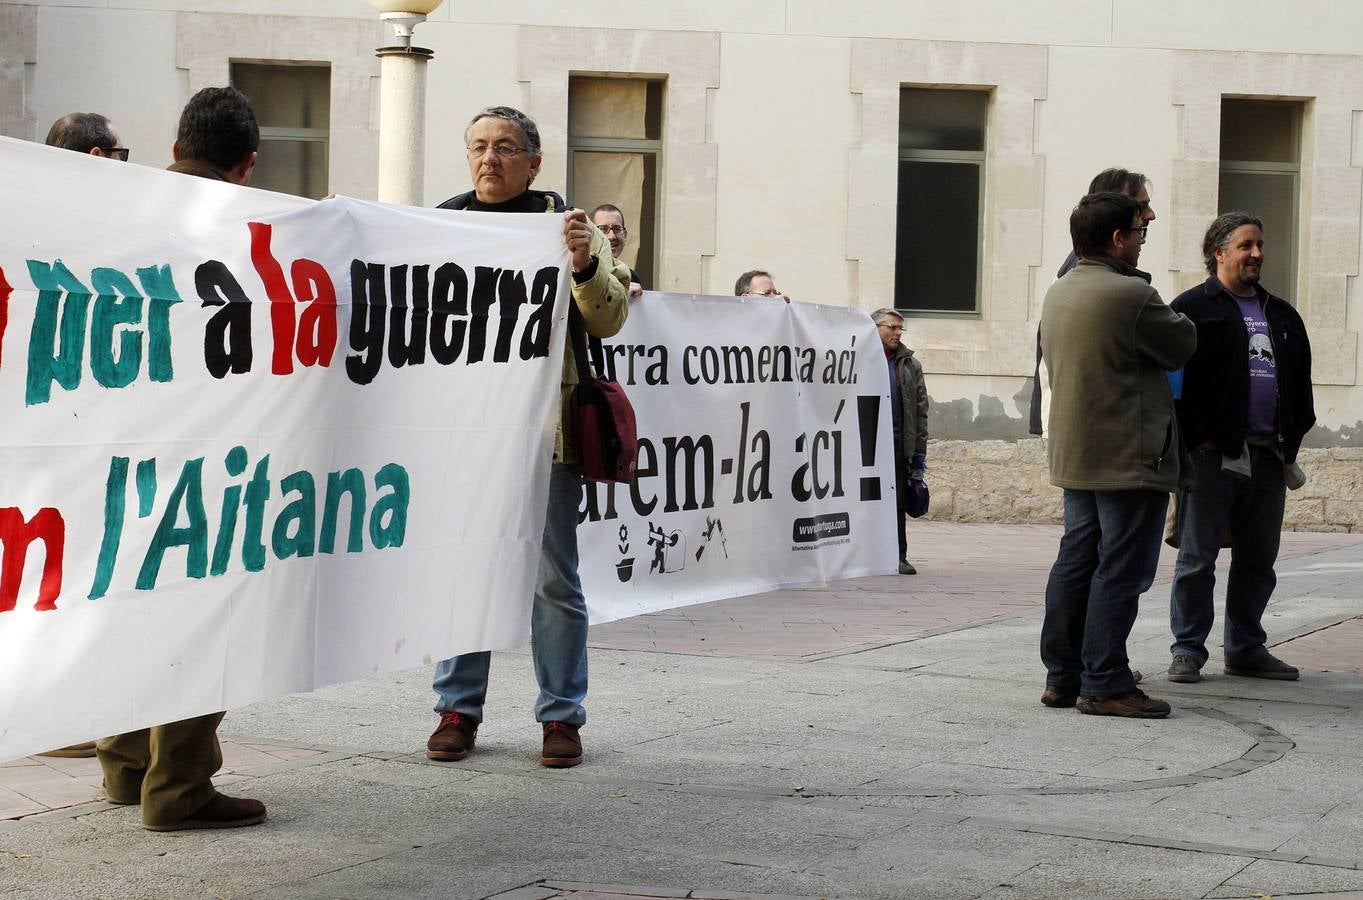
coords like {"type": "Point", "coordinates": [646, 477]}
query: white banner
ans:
{"type": "Point", "coordinates": [766, 456]}
{"type": "Point", "coordinates": [254, 444]}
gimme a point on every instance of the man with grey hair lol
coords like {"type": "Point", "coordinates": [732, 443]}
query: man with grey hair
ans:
{"type": "Point", "coordinates": [909, 413]}
{"type": "Point", "coordinates": [1245, 407]}
{"type": "Point", "coordinates": [504, 158]}
{"type": "Point", "coordinates": [86, 133]}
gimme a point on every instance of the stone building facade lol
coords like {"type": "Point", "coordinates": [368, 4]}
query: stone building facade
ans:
{"type": "Point", "coordinates": [781, 134]}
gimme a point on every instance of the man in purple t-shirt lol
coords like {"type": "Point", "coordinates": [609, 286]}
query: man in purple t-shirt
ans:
{"type": "Point", "coordinates": [1246, 406]}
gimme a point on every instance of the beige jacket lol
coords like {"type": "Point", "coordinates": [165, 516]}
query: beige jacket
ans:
{"type": "Point", "coordinates": [1107, 339]}
{"type": "Point", "coordinates": [604, 304]}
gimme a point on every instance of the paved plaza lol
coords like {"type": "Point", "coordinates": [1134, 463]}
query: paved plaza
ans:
{"type": "Point", "coordinates": [871, 738]}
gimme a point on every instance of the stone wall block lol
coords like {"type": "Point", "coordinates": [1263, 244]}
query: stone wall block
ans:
{"type": "Point", "coordinates": [1300, 515]}
{"type": "Point", "coordinates": [1344, 512]}
{"type": "Point", "coordinates": [992, 451]}
{"type": "Point", "coordinates": [1032, 451]}
{"type": "Point", "coordinates": [946, 451]}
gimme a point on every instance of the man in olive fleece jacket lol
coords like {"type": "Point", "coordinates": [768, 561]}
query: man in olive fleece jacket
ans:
{"type": "Point", "coordinates": [1107, 339]}
{"type": "Point", "coordinates": [168, 768]}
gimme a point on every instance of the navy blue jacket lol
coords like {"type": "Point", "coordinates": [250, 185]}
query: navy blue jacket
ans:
{"type": "Point", "coordinates": [1215, 402]}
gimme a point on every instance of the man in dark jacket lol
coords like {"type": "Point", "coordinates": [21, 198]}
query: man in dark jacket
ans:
{"type": "Point", "coordinates": [1108, 340]}
{"type": "Point", "coordinates": [168, 768]}
{"type": "Point", "coordinates": [1246, 406]}
{"type": "Point", "coordinates": [909, 412]}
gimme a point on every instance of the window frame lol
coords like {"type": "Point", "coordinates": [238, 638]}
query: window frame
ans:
{"type": "Point", "coordinates": [1258, 167]}
{"type": "Point", "coordinates": [283, 133]}
{"type": "Point", "coordinates": [645, 146]}
{"type": "Point", "coordinates": [979, 159]}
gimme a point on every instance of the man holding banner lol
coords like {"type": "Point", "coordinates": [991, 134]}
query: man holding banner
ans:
{"type": "Point", "coordinates": [168, 768]}
{"type": "Point", "coordinates": [504, 157]}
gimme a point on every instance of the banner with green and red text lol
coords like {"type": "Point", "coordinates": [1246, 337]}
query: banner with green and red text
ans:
{"type": "Point", "coordinates": [252, 444]}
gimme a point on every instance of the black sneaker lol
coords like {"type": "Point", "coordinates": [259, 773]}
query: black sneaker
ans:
{"type": "Point", "coordinates": [1265, 666]}
{"type": "Point", "coordinates": [1184, 669]}
{"type": "Point", "coordinates": [1135, 705]}
{"type": "Point", "coordinates": [1059, 698]}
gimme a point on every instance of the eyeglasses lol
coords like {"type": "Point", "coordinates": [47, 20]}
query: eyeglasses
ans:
{"type": "Point", "coordinates": [1141, 230]}
{"type": "Point", "coordinates": [503, 151]}
{"type": "Point", "coordinates": [614, 229]}
{"type": "Point", "coordinates": [894, 328]}
{"type": "Point", "coordinates": [119, 153]}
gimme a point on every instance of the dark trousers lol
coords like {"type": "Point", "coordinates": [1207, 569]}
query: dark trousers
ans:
{"type": "Point", "coordinates": [167, 768]}
{"type": "Point", "coordinates": [1107, 559]}
{"type": "Point", "coordinates": [901, 490]}
{"type": "Point", "coordinates": [1252, 509]}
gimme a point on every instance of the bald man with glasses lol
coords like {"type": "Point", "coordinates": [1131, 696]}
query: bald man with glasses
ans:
{"type": "Point", "coordinates": [89, 133]}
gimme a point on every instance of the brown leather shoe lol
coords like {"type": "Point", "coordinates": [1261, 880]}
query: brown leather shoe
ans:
{"type": "Point", "coordinates": [453, 738]}
{"type": "Point", "coordinates": [83, 750]}
{"type": "Point", "coordinates": [562, 746]}
{"type": "Point", "coordinates": [1135, 705]}
{"type": "Point", "coordinates": [220, 812]}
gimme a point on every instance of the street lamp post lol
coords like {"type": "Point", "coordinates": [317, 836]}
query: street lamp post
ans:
{"type": "Point", "coordinates": [402, 103]}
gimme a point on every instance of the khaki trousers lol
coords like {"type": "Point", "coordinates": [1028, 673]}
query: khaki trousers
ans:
{"type": "Point", "coordinates": [167, 768]}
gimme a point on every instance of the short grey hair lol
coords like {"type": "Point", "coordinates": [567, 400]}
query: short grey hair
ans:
{"type": "Point", "coordinates": [1219, 234]}
{"type": "Point", "coordinates": [515, 117]}
{"type": "Point", "coordinates": [884, 313]}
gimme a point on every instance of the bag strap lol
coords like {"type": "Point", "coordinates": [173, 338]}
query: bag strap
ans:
{"type": "Point", "coordinates": [577, 333]}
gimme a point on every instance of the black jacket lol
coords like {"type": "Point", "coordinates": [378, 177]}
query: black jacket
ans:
{"type": "Point", "coordinates": [530, 201]}
{"type": "Point", "coordinates": [1215, 402]}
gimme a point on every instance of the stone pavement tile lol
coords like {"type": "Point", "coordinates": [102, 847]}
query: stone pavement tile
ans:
{"type": "Point", "coordinates": [705, 894]}
{"type": "Point", "coordinates": [1332, 649]}
{"type": "Point", "coordinates": [1301, 783]}
{"type": "Point", "coordinates": [13, 805]}
{"type": "Point", "coordinates": [1276, 879]}
{"type": "Point", "coordinates": [528, 892]}
{"type": "Point", "coordinates": [71, 767]}
{"type": "Point", "coordinates": [970, 861]}
{"type": "Point", "coordinates": [55, 795]}
{"type": "Point", "coordinates": [1339, 833]}
{"type": "Point", "coordinates": [596, 891]}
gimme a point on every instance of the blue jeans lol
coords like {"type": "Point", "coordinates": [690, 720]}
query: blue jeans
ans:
{"type": "Point", "coordinates": [1107, 559]}
{"type": "Point", "coordinates": [558, 624]}
{"type": "Point", "coordinates": [1252, 509]}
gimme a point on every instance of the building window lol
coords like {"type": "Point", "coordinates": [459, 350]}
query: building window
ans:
{"type": "Point", "coordinates": [614, 139]}
{"type": "Point", "coordinates": [941, 200]}
{"type": "Point", "coordinates": [1261, 175]}
{"type": "Point", "coordinates": [293, 109]}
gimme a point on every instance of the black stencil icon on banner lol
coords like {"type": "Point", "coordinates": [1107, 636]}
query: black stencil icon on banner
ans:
{"type": "Point", "coordinates": [868, 420]}
{"type": "Point", "coordinates": [624, 569]}
{"type": "Point", "coordinates": [712, 527]}
{"type": "Point", "coordinates": [669, 550]}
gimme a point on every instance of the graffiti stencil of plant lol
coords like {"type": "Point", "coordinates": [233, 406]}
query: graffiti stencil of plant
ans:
{"type": "Point", "coordinates": [624, 569]}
